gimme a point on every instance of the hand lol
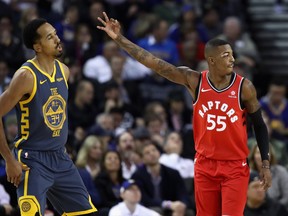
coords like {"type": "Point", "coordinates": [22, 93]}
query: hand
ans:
{"type": "Point", "coordinates": [14, 171]}
{"type": "Point", "coordinates": [111, 26]}
{"type": "Point", "coordinates": [8, 209]}
{"type": "Point", "coordinates": [265, 178]}
{"type": "Point", "coordinates": [178, 208]}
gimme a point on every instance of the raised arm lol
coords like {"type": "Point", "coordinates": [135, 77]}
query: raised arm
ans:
{"type": "Point", "coordinates": [20, 86]}
{"type": "Point", "coordinates": [252, 105]}
{"type": "Point", "coordinates": [184, 75]}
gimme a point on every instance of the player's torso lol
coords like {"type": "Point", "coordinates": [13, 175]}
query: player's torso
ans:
{"type": "Point", "coordinates": [219, 122]}
{"type": "Point", "coordinates": [42, 120]}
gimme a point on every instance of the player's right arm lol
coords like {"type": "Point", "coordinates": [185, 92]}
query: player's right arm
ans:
{"type": "Point", "coordinates": [180, 75]}
{"type": "Point", "coordinates": [21, 85]}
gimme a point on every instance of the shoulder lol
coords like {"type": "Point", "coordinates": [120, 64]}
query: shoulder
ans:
{"type": "Point", "coordinates": [118, 209]}
{"type": "Point", "coordinates": [248, 90]}
{"type": "Point", "coordinates": [65, 69]}
{"type": "Point", "coordinates": [24, 75]}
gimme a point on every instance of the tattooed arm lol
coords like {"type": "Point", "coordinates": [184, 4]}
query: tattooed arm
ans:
{"type": "Point", "coordinates": [180, 75]}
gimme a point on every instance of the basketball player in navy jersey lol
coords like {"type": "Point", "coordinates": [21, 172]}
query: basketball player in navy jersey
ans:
{"type": "Point", "coordinates": [221, 100]}
{"type": "Point", "coordinates": [40, 167]}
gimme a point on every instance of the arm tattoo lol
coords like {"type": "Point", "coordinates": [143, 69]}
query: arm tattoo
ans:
{"type": "Point", "coordinates": [149, 60]}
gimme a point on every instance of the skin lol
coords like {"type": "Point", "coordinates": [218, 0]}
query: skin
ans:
{"type": "Point", "coordinates": [220, 61]}
{"type": "Point", "coordinates": [47, 49]}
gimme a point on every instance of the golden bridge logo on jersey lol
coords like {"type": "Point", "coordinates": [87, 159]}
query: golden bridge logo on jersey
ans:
{"type": "Point", "coordinates": [232, 94]}
{"type": "Point", "coordinates": [54, 112]}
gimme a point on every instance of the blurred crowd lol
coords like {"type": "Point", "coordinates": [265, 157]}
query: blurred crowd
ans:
{"type": "Point", "coordinates": [125, 121]}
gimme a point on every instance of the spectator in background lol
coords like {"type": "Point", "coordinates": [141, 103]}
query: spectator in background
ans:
{"type": "Point", "coordinates": [95, 9]}
{"type": "Point", "coordinates": [243, 46]}
{"type": "Point", "coordinates": [81, 111]}
{"type": "Point", "coordinates": [11, 128]}
{"type": "Point", "coordinates": [275, 105]}
{"type": "Point", "coordinates": [162, 188]}
{"type": "Point", "coordinates": [82, 48]}
{"type": "Point", "coordinates": [258, 203]}
{"type": "Point", "coordinates": [66, 27]}
{"type": "Point", "coordinates": [28, 15]}
{"type": "Point", "coordinates": [88, 164]}
{"type": "Point", "coordinates": [10, 44]}
{"type": "Point", "coordinates": [4, 78]}
{"type": "Point", "coordinates": [126, 148]}
{"type": "Point", "coordinates": [159, 43]}
{"type": "Point", "coordinates": [5, 207]}
{"type": "Point", "coordinates": [109, 181]}
{"type": "Point", "coordinates": [210, 26]}
{"type": "Point", "coordinates": [90, 155]}
{"type": "Point", "coordinates": [131, 195]}
{"type": "Point", "coordinates": [279, 188]}
{"type": "Point", "coordinates": [178, 114]}
{"type": "Point", "coordinates": [172, 156]}
{"type": "Point", "coordinates": [99, 68]}
{"type": "Point", "coordinates": [168, 10]}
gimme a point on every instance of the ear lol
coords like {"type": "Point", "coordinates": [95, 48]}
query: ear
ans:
{"type": "Point", "coordinates": [211, 60]}
{"type": "Point", "coordinates": [37, 47]}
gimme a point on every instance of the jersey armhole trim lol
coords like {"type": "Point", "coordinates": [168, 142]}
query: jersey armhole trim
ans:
{"type": "Point", "coordinates": [62, 72]}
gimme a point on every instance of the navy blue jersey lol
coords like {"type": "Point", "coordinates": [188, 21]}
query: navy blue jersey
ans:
{"type": "Point", "coordinates": [42, 117]}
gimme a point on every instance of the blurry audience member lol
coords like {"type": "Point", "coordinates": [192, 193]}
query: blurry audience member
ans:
{"type": "Point", "coordinates": [5, 207]}
{"type": "Point", "coordinates": [131, 195]}
{"type": "Point", "coordinates": [88, 163]}
{"type": "Point", "coordinates": [279, 188]}
{"type": "Point", "coordinates": [81, 110]}
{"type": "Point", "coordinates": [4, 78]}
{"type": "Point", "coordinates": [90, 155]}
{"type": "Point", "coordinates": [172, 156]}
{"type": "Point", "coordinates": [210, 26]}
{"type": "Point", "coordinates": [82, 48]}
{"type": "Point", "coordinates": [66, 27]}
{"type": "Point", "coordinates": [258, 203]}
{"type": "Point", "coordinates": [109, 181]}
{"type": "Point", "coordinates": [99, 68]}
{"type": "Point", "coordinates": [28, 15]}
{"type": "Point", "coordinates": [11, 128]}
{"type": "Point", "coordinates": [243, 46]}
{"type": "Point", "coordinates": [10, 44]}
{"type": "Point", "coordinates": [126, 148]}
{"type": "Point", "coordinates": [162, 188]}
{"type": "Point", "coordinates": [178, 114]}
{"type": "Point", "coordinates": [275, 105]}
{"type": "Point", "coordinates": [159, 44]}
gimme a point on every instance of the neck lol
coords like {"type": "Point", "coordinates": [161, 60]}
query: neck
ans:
{"type": "Point", "coordinates": [155, 169]}
{"type": "Point", "coordinates": [130, 206]}
{"type": "Point", "coordinates": [46, 64]}
{"type": "Point", "coordinates": [114, 176]}
{"type": "Point", "coordinates": [219, 82]}
{"type": "Point", "coordinates": [92, 164]}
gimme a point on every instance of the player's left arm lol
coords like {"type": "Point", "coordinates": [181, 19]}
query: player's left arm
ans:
{"type": "Point", "coordinates": [252, 105]}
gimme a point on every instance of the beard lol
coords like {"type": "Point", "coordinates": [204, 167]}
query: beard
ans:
{"type": "Point", "coordinates": [58, 55]}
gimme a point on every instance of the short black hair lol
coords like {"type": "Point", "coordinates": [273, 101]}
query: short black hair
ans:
{"type": "Point", "coordinates": [30, 35]}
{"type": "Point", "coordinates": [211, 44]}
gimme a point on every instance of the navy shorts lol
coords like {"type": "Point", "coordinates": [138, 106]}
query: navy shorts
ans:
{"type": "Point", "coordinates": [52, 175]}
